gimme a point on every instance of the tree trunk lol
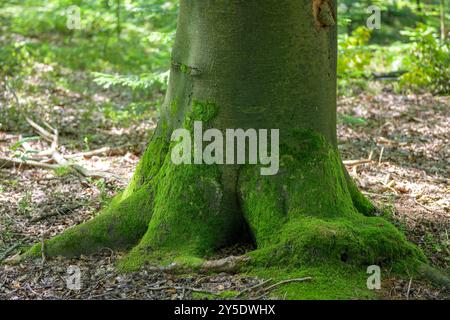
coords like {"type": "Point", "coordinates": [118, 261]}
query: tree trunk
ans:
{"type": "Point", "coordinates": [246, 64]}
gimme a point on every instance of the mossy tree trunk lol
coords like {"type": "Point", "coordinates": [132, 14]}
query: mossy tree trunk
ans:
{"type": "Point", "coordinates": [246, 64]}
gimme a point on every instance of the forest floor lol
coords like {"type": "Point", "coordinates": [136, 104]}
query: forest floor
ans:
{"type": "Point", "coordinates": [405, 137]}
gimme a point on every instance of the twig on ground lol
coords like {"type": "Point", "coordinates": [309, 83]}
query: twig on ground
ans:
{"type": "Point", "coordinates": [11, 162]}
{"type": "Point", "coordinates": [426, 208]}
{"type": "Point", "coordinates": [356, 162]}
{"type": "Point", "coordinates": [286, 282]}
{"type": "Point", "coordinates": [381, 155]}
{"type": "Point", "coordinates": [409, 289]}
{"type": "Point", "coordinates": [110, 151]}
{"type": "Point", "coordinates": [41, 131]}
{"type": "Point", "coordinates": [253, 287]}
{"type": "Point", "coordinates": [229, 264]}
{"type": "Point", "coordinates": [43, 253]}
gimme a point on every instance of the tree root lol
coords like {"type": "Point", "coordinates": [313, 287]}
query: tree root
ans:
{"type": "Point", "coordinates": [176, 216]}
{"type": "Point", "coordinates": [434, 276]}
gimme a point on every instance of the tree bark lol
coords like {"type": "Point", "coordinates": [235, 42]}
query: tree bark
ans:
{"type": "Point", "coordinates": [246, 64]}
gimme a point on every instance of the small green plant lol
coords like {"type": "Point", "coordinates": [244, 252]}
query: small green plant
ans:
{"type": "Point", "coordinates": [63, 171]}
{"type": "Point", "coordinates": [354, 54]}
{"type": "Point", "coordinates": [349, 120]}
{"type": "Point", "coordinates": [24, 205]}
{"type": "Point", "coordinates": [429, 64]}
{"type": "Point", "coordinates": [144, 81]}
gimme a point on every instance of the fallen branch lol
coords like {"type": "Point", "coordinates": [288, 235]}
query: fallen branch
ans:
{"type": "Point", "coordinates": [118, 151]}
{"type": "Point", "coordinates": [55, 156]}
{"type": "Point", "coordinates": [229, 264]}
{"type": "Point", "coordinates": [12, 162]}
{"type": "Point", "coordinates": [41, 131]}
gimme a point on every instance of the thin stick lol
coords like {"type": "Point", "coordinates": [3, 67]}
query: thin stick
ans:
{"type": "Point", "coordinates": [254, 287]}
{"type": "Point", "coordinates": [286, 282]}
{"type": "Point", "coordinates": [105, 150]}
{"type": "Point", "coordinates": [41, 131]}
{"type": "Point", "coordinates": [381, 155]}
{"type": "Point", "coordinates": [356, 162]}
{"type": "Point", "coordinates": [11, 162]}
{"type": "Point", "coordinates": [409, 288]}
{"type": "Point", "coordinates": [426, 208]}
{"type": "Point", "coordinates": [44, 258]}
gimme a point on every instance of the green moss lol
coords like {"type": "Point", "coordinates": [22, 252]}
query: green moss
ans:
{"type": "Point", "coordinates": [305, 221]}
{"type": "Point", "coordinates": [188, 224]}
{"type": "Point", "coordinates": [173, 108]}
{"type": "Point", "coordinates": [201, 111]}
{"type": "Point", "coordinates": [185, 69]}
{"type": "Point", "coordinates": [361, 203]}
{"type": "Point", "coordinates": [149, 165]}
{"type": "Point", "coordinates": [329, 282]}
{"type": "Point", "coordinates": [306, 215]}
{"type": "Point", "coordinates": [364, 241]}
{"type": "Point", "coordinates": [121, 225]}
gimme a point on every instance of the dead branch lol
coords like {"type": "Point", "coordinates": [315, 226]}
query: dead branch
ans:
{"type": "Point", "coordinates": [229, 264]}
{"type": "Point", "coordinates": [41, 131]}
{"type": "Point", "coordinates": [12, 162]}
{"type": "Point", "coordinates": [110, 151]}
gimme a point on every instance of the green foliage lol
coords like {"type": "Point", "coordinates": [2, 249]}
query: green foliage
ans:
{"type": "Point", "coordinates": [354, 55]}
{"type": "Point", "coordinates": [143, 81]}
{"type": "Point", "coordinates": [35, 41]}
{"type": "Point", "coordinates": [15, 58]}
{"type": "Point", "coordinates": [429, 63]}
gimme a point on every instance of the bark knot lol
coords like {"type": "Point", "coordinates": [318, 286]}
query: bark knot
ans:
{"type": "Point", "coordinates": [323, 12]}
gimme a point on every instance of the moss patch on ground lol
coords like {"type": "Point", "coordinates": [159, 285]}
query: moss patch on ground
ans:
{"type": "Point", "coordinates": [329, 282]}
{"type": "Point", "coordinates": [309, 219]}
{"type": "Point", "coordinates": [120, 225]}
